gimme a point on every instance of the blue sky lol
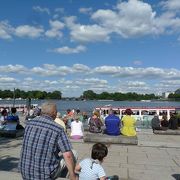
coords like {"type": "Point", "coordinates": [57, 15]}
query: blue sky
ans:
{"type": "Point", "coordinates": [77, 45]}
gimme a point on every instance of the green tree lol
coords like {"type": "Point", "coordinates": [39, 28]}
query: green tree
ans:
{"type": "Point", "coordinates": [89, 94]}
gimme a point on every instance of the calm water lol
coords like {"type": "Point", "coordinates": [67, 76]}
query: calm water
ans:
{"type": "Point", "coordinates": [88, 106]}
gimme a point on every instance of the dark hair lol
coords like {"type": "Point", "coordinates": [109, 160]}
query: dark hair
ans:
{"type": "Point", "coordinates": [128, 111]}
{"type": "Point", "coordinates": [4, 112]}
{"type": "Point", "coordinates": [13, 110]}
{"type": "Point", "coordinates": [99, 151]}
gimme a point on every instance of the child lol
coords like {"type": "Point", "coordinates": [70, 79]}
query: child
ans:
{"type": "Point", "coordinates": [90, 168]}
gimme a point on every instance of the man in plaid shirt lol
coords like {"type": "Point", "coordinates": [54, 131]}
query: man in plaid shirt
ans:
{"type": "Point", "coordinates": [43, 140]}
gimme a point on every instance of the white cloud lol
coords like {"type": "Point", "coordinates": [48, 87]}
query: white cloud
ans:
{"type": "Point", "coordinates": [7, 80]}
{"type": "Point", "coordinates": [80, 68]}
{"type": "Point", "coordinates": [13, 69]}
{"type": "Point", "coordinates": [29, 31]}
{"type": "Point", "coordinates": [86, 33]}
{"type": "Point", "coordinates": [132, 18]}
{"type": "Point", "coordinates": [136, 83]}
{"type": "Point", "coordinates": [81, 77]}
{"type": "Point", "coordinates": [59, 10]}
{"type": "Point", "coordinates": [85, 10]}
{"type": "Point", "coordinates": [41, 10]}
{"type": "Point", "coordinates": [68, 50]}
{"type": "Point", "coordinates": [91, 81]}
{"type": "Point", "coordinates": [171, 4]}
{"type": "Point", "coordinates": [150, 72]}
{"type": "Point", "coordinates": [56, 26]}
{"type": "Point", "coordinates": [5, 30]}
{"type": "Point", "coordinates": [51, 70]}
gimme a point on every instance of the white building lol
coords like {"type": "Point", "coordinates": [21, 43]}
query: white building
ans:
{"type": "Point", "coordinates": [166, 94]}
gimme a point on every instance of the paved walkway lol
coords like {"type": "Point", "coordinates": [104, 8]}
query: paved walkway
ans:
{"type": "Point", "coordinates": [156, 157]}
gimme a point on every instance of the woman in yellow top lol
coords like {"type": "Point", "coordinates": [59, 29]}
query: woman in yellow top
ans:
{"type": "Point", "coordinates": [128, 122]}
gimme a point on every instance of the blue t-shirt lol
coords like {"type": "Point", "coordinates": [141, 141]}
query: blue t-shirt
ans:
{"type": "Point", "coordinates": [13, 118]}
{"type": "Point", "coordinates": [112, 123]}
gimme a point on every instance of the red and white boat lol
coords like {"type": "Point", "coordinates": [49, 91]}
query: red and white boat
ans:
{"type": "Point", "coordinates": [142, 114]}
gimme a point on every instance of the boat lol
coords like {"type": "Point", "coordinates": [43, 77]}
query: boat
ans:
{"type": "Point", "coordinates": [143, 115]}
{"type": "Point", "coordinates": [19, 107]}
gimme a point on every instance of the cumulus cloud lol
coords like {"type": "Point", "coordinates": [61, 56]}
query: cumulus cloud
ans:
{"type": "Point", "coordinates": [149, 72]}
{"type": "Point", "coordinates": [80, 68]}
{"type": "Point", "coordinates": [7, 79]}
{"type": "Point", "coordinates": [131, 18]}
{"type": "Point", "coordinates": [68, 50]}
{"type": "Point", "coordinates": [171, 4]}
{"type": "Point", "coordinates": [29, 31]}
{"type": "Point", "coordinates": [51, 77]}
{"type": "Point", "coordinates": [13, 69]}
{"type": "Point", "coordinates": [56, 26]}
{"type": "Point", "coordinates": [51, 70]}
{"type": "Point", "coordinates": [92, 81]}
{"type": "Point", "coordinates": [136, 83]}
{"type": "Point", "coordinates": [41, 10]}
{"type": "Point", "coordinates": [86, 33]}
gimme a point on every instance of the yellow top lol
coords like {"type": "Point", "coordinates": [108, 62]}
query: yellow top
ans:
{"type": "Point", "coordinates": [61, 122]}
{"type": "Point", "coordinates": [128, 128]}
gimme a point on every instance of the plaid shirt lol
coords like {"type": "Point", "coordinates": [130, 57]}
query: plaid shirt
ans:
{"type": "Point", "coordinates": [43, 140]}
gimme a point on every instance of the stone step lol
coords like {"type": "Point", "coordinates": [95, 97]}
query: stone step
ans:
{"type": "Point", "coordinates": [94, 137]}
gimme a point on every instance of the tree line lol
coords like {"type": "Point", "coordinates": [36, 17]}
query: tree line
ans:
{"type": "Point", "coordinates": [117, 96]}
{"type": "Point", "coordinates": [17, 93]}
{"type": "Point", "coordinates": [175, 96]}
{"type": "Point", "coordinates": [87, 95]}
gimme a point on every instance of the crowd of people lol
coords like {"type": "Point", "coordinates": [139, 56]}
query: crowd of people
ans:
{"type": "Point", "coordinates": [112, 124]}
{"type": "Point", "coordinates": [73, 122]}
{"type": "Point", "coordinates": [10, 120]}
{"type": "Point", "coordinates": [165, 124]}
{"type": "Point", "coordinates": [47, 152]}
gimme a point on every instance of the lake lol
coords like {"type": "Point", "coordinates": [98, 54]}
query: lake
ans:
{"type": "Point", "coordinates": [88, 106]}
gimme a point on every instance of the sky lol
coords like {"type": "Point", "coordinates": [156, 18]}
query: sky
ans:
{"type": "Point", "coordinates": [78, 45]}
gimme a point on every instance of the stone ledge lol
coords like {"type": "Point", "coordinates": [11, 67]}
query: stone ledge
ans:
{"type": "Point", "coordinates": [11, 133]}
{"type": "Point", "coordinates": [167, 132]}
{"type": "Point", "coordinates": [104, 138]}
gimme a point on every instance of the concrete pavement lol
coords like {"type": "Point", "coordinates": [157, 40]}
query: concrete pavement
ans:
{"type": "Point", "coordinates": [155, 157]}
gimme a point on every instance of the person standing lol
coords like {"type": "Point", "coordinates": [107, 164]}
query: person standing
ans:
{"type": "Point", "coordinates": [112, 123]}
{"type": "Point", "coordinates": [43, 140]}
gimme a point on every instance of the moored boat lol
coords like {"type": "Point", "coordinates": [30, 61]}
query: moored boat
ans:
{"type": "Point", "coordinates": [19, 107]}
{"type": "Point", "coordinates": [143, 115]}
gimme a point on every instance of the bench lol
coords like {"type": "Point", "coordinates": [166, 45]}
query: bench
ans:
{"type": "Point", "coordinates": [12, 133]}
{"type": "Point", "coordinates": [104, 138]}
{"type": "Point", "coordinates": [167, 132]}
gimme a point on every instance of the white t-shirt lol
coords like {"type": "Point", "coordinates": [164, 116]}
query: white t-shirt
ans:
{"type": "Point", "coordinates": [76, 128]}
{"type": "Point", "coordinates": [91, 170]}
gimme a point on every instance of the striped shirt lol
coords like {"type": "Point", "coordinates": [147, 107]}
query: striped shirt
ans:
{"type": "Point", "coordinates": [90, 169]}
{"type": "Point", "coordinates": [43, 140]}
